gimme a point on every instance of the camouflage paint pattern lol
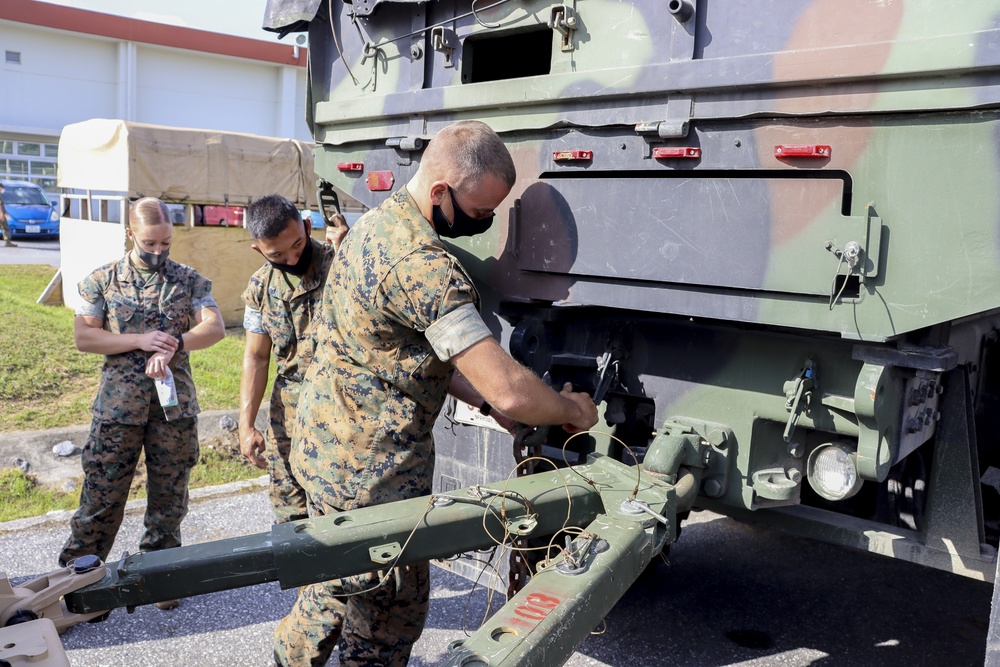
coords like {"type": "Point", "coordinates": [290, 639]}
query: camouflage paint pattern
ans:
{"type": "Point", "coordinates": [722, 276]}
{"type": "Point", "coordinates": [109, 459]}
{"type": "Point", "coordinates": [287, 315]}
{"type": "Point", "coordinates": [366, 411]}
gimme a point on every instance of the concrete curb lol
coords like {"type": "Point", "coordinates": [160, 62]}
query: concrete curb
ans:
{"type": "Point", "coordinates": [35, 447]}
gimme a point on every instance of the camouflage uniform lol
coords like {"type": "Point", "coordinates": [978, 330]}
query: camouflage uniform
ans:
{"type": "Point", "coordinates": [127, 413]}
{"type": "Point", "coordinates": [397, 307]}
{"type": "Point", "coordinates": [284, 314]}
{"type": "Point", "coordinates": [4, 226]}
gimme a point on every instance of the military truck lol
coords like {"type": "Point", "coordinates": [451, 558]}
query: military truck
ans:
{"type": "Point", "coordinates": [771, 228]}
{"type": "Point", "coordinates": [764, 235]}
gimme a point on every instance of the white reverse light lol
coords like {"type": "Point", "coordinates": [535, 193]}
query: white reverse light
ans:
{"type": "Point", "coordinates": [832, 471]}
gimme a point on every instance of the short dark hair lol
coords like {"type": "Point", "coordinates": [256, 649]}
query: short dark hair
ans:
{"type": "Point", "coordinates": [268, 216]}
{"type": "Point", "coordinates": [482, 152]}
{"type": "Point", "coordinates": [470, 150]}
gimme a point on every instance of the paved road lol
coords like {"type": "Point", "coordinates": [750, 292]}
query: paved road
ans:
{"type": "Point", "coordinates": [732, 595]}
{"type": "Point", "coordinates": [31, 251]}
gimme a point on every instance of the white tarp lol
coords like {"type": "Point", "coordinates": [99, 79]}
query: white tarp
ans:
{"type": "Point", "coordinates": [184, 165]}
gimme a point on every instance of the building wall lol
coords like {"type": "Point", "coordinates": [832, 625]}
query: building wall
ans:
{"type": "Point", "coordinates": [51, 77]}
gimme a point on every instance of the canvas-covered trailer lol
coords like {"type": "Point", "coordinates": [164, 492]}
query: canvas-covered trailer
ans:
{"type": "Point", "coordinates": [206, 177]}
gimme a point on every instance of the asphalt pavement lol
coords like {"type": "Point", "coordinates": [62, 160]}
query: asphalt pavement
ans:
{"type": "Point", "coordinates": [732, 594]}
{"type": "Point", "coordinates": [31, 251]}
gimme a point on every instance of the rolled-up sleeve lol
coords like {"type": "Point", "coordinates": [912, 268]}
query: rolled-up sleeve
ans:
{"type": "Point", "coordinates": [253, 321]}
{"type": "Point", "coordinates": [456, 331]}
{"type": "Point", "coordinates": [204, 302]}
{"type": "Point", "coordinates": [88, 309]}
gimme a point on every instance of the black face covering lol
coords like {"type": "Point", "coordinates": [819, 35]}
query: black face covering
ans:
{"type": "Point", "coordinates": [300, 267]}
{"type": "Point", "coordinates": [152, 260]}
{"type": "Point", "coordinates": [463, 225]}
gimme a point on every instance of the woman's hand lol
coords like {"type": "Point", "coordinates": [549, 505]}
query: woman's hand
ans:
{"type": "Point", "coordinates": [156, 367]}
{"type": "Point", "coordinates": [157, 341]}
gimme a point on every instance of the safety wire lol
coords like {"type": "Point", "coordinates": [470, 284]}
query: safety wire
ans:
{"type": "Point", "coordinates": [502, 517]}
{"type": "Point", "coordinates": [638, 472]}
{"type": "Point", "coordinates": [506, 544]}
{"type": "Point", "coordinates": [488, 26]}
{"type": "Point", "coordinates": [565, 527]}
{"type": "Point", "coordinates": [472, 13]}
{"type": "Point", "coordinates": [388, 570]}
{"type": "Point", "coordinates": [336, 42]}
{"type": "Point", "coordinates": [375, 51]}
{"type": "Point", "coordinates": [494, 578]}
{"type": "Point", "coordinates": [582, 533]}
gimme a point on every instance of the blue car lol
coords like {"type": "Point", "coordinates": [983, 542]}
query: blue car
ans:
{"type": "Point", "coordinates": [316, 218]}
{"type": "Point", "coordinates": [29, 211]}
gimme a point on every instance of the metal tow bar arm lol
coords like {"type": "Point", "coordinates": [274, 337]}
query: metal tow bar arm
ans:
{"type": "Point", "coordinates": [364, 540]}
{"type": "Point", "coordinates": [628, 515]}
{"type": "Point", "coordinates": [561, 604]}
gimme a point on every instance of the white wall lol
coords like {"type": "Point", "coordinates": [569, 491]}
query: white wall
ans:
{"type": "Point", "coordinates": [69, 77]}
{"type": "Point", "coordinates": [62, 79]}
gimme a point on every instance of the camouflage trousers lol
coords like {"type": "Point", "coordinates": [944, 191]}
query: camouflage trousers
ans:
{"type": "Point", "coordinates": [374, 625]}
{"type": "Point", "coordinates": [109, 461]}
{"type": "Point", "coordinates": [288, 498]}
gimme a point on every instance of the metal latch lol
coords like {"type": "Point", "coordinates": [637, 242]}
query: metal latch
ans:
{"type": "Point", "coordinates": [563, 20]}
{"type": "Point", "coordinates": [440, 42]}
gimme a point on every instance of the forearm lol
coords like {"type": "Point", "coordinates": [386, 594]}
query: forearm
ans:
{"type": "Point", "coordinates": [530, 401]}
{"type": "Point", "coordinates": [511, 388]}
{"type": "Point", "coordinates": [208, 331]}
{"type": "Point", "coordinates": [253, 382]}
{"type": "Point", "coordinates": [463, 390]}
{"type": "Point", "coordinates": [99, 341]}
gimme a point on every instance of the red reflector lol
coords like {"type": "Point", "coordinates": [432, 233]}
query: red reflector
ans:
{"type": "Point", "coordinates": [350, 166]}
{"type": "Point", "coordinates": [567, 156]}
{"type": "Point", "coordinates": [676, 151]}
{"type": "Point", "coordinates": [380, 180]}
{"type": "Point", "coordinates": [801, 150]}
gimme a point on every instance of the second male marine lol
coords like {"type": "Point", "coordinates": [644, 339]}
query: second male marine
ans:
{"type": "Point", "coordinates": [280, 301]}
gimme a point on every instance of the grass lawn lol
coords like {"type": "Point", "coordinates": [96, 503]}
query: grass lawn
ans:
{"type": "Point", "coordinates": [45, 382]}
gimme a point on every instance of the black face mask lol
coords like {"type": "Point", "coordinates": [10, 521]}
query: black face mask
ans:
{"type": "Point", "coordinates": [463, 225]}
{"type": "Point", "coordinates": [300, 267]}
{"type": "Point", "coordinates": [152, 260]}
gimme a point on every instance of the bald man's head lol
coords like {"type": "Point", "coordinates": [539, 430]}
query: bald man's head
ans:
{"type": "Point", "coordinates": [465, 161]}
{"type": "Point", "coordinates": [467, 151]}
